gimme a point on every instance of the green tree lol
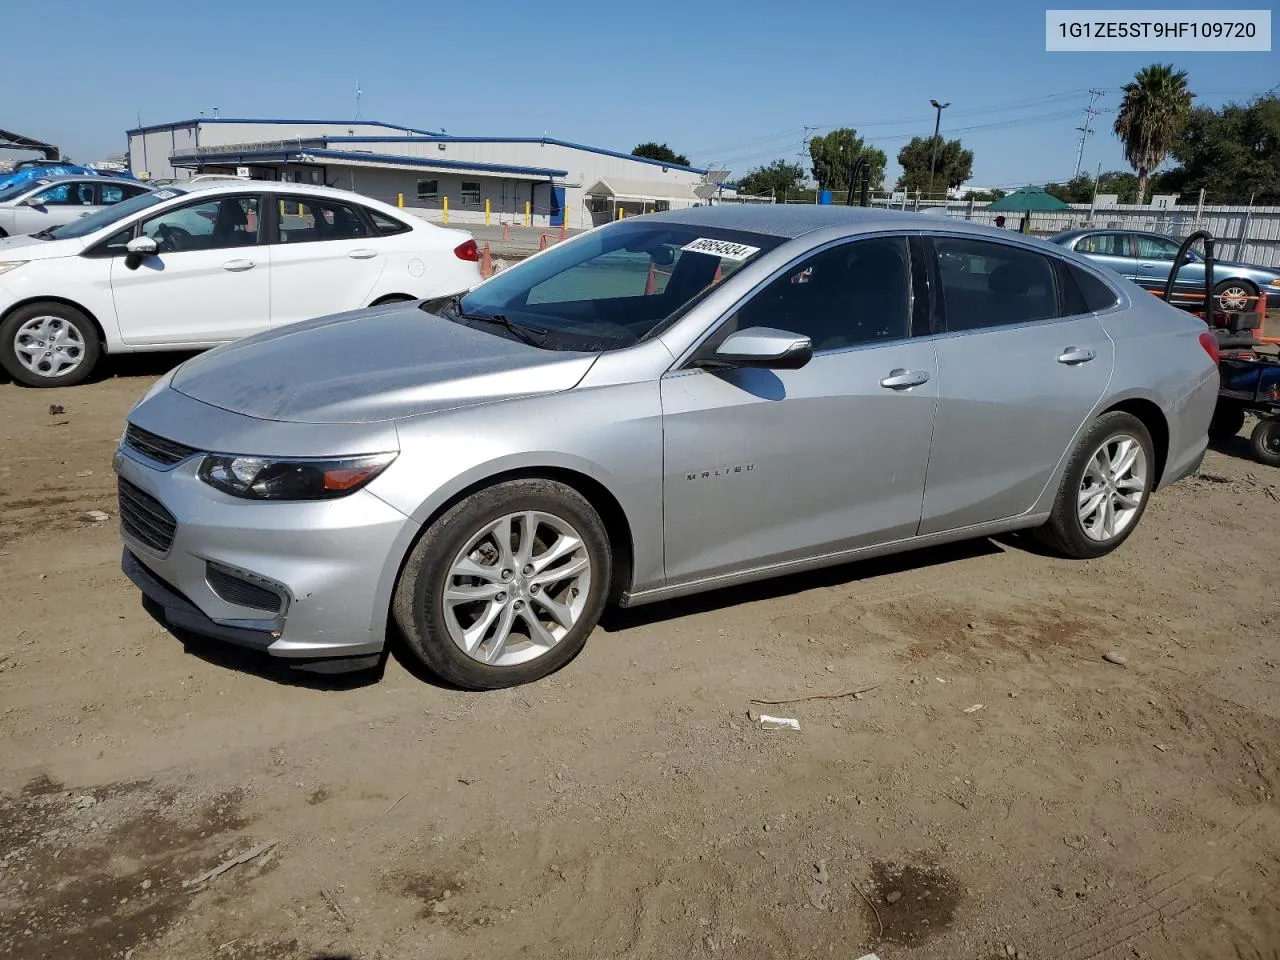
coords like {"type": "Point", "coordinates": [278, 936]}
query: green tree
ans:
{"type": "Point", "coordinates": [954, 165]}
{"type": "Point", "coordinates": [1232, 154]}
{"type": "Point", "coordinates": [660, 151]}
{"type": "Point", "coordinates": [775, 180]}
{"type": "Point", "coordinates": [834, 155]}
{"type": "Point", "coordinates": [1152, 115]}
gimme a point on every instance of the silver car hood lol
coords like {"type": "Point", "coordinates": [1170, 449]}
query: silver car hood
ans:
{"type": "Point", "coordinates": [382, 363]}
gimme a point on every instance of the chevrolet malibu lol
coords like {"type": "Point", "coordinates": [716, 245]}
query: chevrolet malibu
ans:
{"type": "Point", "coordinates": [195, 265]}
{"type": "Point", "coordinates": [663, 405]}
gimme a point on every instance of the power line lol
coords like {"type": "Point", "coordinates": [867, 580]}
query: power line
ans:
{"type": "Point", "coordinates": [1089, 114]}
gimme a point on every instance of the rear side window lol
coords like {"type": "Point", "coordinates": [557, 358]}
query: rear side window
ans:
{"type": "Point", "coordinates": [314, 220]}
{"type": "Point", "coordinates": [988, 284]}
{"type": "Point", "coordinates": [1097, 295]}
{"type": "Point", "coordinates": [1104, 244]}
{"type": "Point", "coordinates": [384, 225]}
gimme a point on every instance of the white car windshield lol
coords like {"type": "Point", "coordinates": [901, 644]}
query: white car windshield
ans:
{"type": "Point", "coordinates": [109, 215]}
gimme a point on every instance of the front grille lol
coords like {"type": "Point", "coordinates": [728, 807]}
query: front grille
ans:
{"type": "Point", "coordinates": [144, 518]}
{"type": "Point", "coordinates": [241, 592]}
{"type": "Point", "coordinates": [156, 448]}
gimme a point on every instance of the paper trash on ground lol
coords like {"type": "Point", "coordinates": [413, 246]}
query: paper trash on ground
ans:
{"type": "Point", "coordinates": [779, 723]}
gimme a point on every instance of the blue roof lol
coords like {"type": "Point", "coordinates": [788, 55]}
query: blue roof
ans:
{"type": "Point", "coordinates": [224, 158]}
{"type": "Point", "coordinates": [440, 137]}
{"type": "Point", "coordinates": [152, 128]}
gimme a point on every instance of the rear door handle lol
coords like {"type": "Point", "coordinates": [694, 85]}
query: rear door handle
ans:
{"type": "Point", "coordinates": [1074, 355]}
{"type": "Point", "coordinates": [238, 266]}
{"type": "Point", "coordinates": [362, 254]}
{"type": "Point", "coordinates": [901, 379]}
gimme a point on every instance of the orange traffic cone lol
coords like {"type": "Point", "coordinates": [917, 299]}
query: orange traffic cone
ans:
{"type": "Point", "coordinates": [486, 262]}
{"type": "Point", "coordinates": [651, 282]}
{"type": "Point", "coordinates": [564, 229]}
{"type": "Point", "coordinates": [542, 242]}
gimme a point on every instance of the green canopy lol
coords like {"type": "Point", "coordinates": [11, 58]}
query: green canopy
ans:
{"type": "Point", "coordinates": [1028, 199]}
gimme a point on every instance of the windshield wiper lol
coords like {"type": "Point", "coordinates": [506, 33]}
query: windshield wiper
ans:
{"type": "Point", "coordinates": [534, 336]}
{"type": "Point", "coordinates": [45, 234]}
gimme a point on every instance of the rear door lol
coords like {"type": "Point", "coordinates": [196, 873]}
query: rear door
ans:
{"type": "Point", "coordinates": [1155, 260]}
{"type": "Point", "coordinates": [1113, 250]}
{"type": "Point", "coordinates": [325, 258]}
{"type": "Point", "coordinates": [1018, 374]}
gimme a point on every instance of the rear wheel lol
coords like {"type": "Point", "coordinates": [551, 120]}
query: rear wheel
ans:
{"type": "Point", "coordinates": [48, 345]}
{"type": "Point", "coordinates": [1105, 489]}
{"type": "Point", "coordinates": [506, 585]}
{"type": "Point", "coordinates": [1233, 296]}
{"type": "Point", "coordinates": [1227, 420]}
{"type": "Point", "coordinates": [1265, 440]}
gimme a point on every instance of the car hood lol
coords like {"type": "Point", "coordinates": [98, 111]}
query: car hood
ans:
{"type": "Point", "coordinates": [29, 248]}
{"type": "Point", "coordinates": [381, 363]}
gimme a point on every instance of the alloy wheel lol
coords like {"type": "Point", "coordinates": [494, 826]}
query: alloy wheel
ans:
{"type": "Point", "coordinates": [1112, 488]}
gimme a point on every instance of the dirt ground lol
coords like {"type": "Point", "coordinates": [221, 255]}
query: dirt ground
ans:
{"type": "Point", "coordinates": [997, 790]}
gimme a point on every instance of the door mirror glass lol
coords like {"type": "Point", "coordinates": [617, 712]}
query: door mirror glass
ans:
{"type": "Point", "coordinates": [142, 247]}
{"type": "Point", "coordinates": [764, 347]}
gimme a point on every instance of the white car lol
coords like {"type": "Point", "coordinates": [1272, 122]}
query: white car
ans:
{"type": "Point", "coordinates": [188, 267]}
{"type": "Point", "coordinates": [35, 205]}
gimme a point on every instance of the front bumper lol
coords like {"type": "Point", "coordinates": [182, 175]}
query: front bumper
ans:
{"type": "Point", "coordinates": [331, 563]}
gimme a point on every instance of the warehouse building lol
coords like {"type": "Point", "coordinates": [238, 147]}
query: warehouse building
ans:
{"type": "Point", "coordinates": [539, 180]}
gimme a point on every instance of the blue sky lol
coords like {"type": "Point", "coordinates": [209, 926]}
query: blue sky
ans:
{"type": "Point", "coordinates": [732, 83]}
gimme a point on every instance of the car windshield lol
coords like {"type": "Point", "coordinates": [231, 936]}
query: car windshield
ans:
{"type": "Point", "coordinates": [109, 215]}
{"type": "Point", "coordinates": [18, 189]}
{"type": "Point", "coordinates": [610, 288]}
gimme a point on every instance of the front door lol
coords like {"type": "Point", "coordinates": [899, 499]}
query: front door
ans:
{"type": "Point", "coordinates": [1016, 380]}
{"type": "Point", "coordinates": [324, 259]}
{"type": "Point", "coordinates": [764, 466]}
{"type": "Point", "coordinates": [55, 206]}
{"type": "Point", "coordinates": [209, 283]}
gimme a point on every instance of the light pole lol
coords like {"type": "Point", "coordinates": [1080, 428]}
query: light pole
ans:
{"type": "Point", "coordinates": [937, 125]}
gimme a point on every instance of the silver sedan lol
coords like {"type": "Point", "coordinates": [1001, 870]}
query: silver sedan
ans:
{"type": "Point", "coordinates": [663, 405]}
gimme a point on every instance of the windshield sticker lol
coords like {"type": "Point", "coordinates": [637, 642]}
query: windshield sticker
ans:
{"type": "Point", "coordinates": [724, 249]}
{"type": "Point", "coordinates": [164, 194]}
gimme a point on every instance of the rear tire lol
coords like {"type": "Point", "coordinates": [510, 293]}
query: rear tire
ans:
{"type": "Point", "coordinates": [1233, 295]}
{"type": "Point", "coordinates": [1227, 420]}
{"type": "Point", "coordinates": [49, 344]}
{"type": "Point", "coordinates": [1265, 441]}
{"type": "Point", "coordinates": [1105, 489]}
{"type": "Point", "coordinates": [482, 616]}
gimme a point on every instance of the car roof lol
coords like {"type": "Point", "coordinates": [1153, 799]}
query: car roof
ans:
{"type": "Point", "coordinates": [81, 177]}
{"type": "Point", "coordinates": [234, 184]}
{"type": "Point", "coordinates": [793, 220]}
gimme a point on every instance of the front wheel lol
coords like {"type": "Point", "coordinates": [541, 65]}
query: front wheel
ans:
{"type": "Point", "coordinates": [1105, 489]}
{"type": "Point", "coordinates": [506, 585]}
{"type": "Point", "coordinates": [1265, 441]}
{"type": "Point", "coordinates": [48, 345]}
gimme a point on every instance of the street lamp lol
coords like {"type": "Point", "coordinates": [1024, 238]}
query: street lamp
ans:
{"type": "Point", "coordinates": [937, 125]}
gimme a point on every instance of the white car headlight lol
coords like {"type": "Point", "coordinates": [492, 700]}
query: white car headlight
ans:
{"type": "Point", "coordinates": [7, 265]}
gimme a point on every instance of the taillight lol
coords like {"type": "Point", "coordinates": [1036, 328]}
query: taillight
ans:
{"type": "Point", "coordinates": [1210, 343]}
{"type": "Point", "coordinates": [467, 250]}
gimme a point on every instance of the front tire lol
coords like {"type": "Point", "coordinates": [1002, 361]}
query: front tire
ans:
{"type": "Point", "coordinates": [505, 587]}
{"type": "Point", "coordinates": [1105, 489]}
{"type": "Point", "coordinates": [48, 345]}
{"type": "Point", "coordinates": [1265, 441]}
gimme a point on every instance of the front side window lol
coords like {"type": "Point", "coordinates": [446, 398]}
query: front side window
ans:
{"type": "Point", "coordinates": [470, 191]}
{"type": "Point", "coordinates": [429, 189]}
{"type": "Point", "coordinates": [210, 225]}
{"type": "Point", "coordinates": [988, 284]}
{"type": "Point", "coordinates": [314, 220]}
{"type": "Point", "coordinates": [66, 195]}
{"type": "Point", "coordinates": [849, 295]}
{"type": "Point", "coordinates": [1156, 248]}
{"type": "Point", "coordinates": [610, 288]}
{"type": "Point", "coordinates": [1104, 244]}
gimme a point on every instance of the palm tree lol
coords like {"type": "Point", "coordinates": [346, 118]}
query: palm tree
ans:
{"type": "Point", "coordinates": [1152, 114]}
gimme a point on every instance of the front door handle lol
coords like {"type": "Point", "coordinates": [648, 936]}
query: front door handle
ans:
{"type": "Point", "coordinates": [238, 266]}
{"type": "Point", "coordinates": [901, 379]}
{"type": "Point", "coordinates": [1074, 355]}
{"type": "Point", "coordinates": [1147, 266]}
{"type": "Point", "coordinates": [362, 254]}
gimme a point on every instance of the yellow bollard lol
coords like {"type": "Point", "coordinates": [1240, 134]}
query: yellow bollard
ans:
{"type": "Point", "coordinates": [486, 212]}
{"type": "Point", "coordinates": [620, 212]}
{"type": "Point", "coordinates": [400, 200]}
{"type": "Point", "coordinates": [445, 200]}
{"type": "Point", "coordinates": [528, 215]}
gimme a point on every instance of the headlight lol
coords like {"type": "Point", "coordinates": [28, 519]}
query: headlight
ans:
{"type": "Point", "coordinates": [7, 265]}
{"type": "Point", "coordinates": [287, 478]}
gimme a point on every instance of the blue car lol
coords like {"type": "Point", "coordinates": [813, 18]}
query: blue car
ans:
{"type": "Point", "coordinates": [1146, 259]}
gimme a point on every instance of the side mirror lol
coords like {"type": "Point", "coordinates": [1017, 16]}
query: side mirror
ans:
{"type": "Point", "coordinates": [763, 347]}
{"type": "Point", "coordinates": [37, 201]}
{"type": "Point", "coordinates": [138, 249]}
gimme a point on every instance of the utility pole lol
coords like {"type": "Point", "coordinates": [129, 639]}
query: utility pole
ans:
{"type": "Point", "coordinates": [1089, 114]}
{"type": "Point", "coordinates": [937, 125]}
{"type": "Point", "coordinates": [358, 93]}
{"type": "Point", "coordinates": [803, 155]}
